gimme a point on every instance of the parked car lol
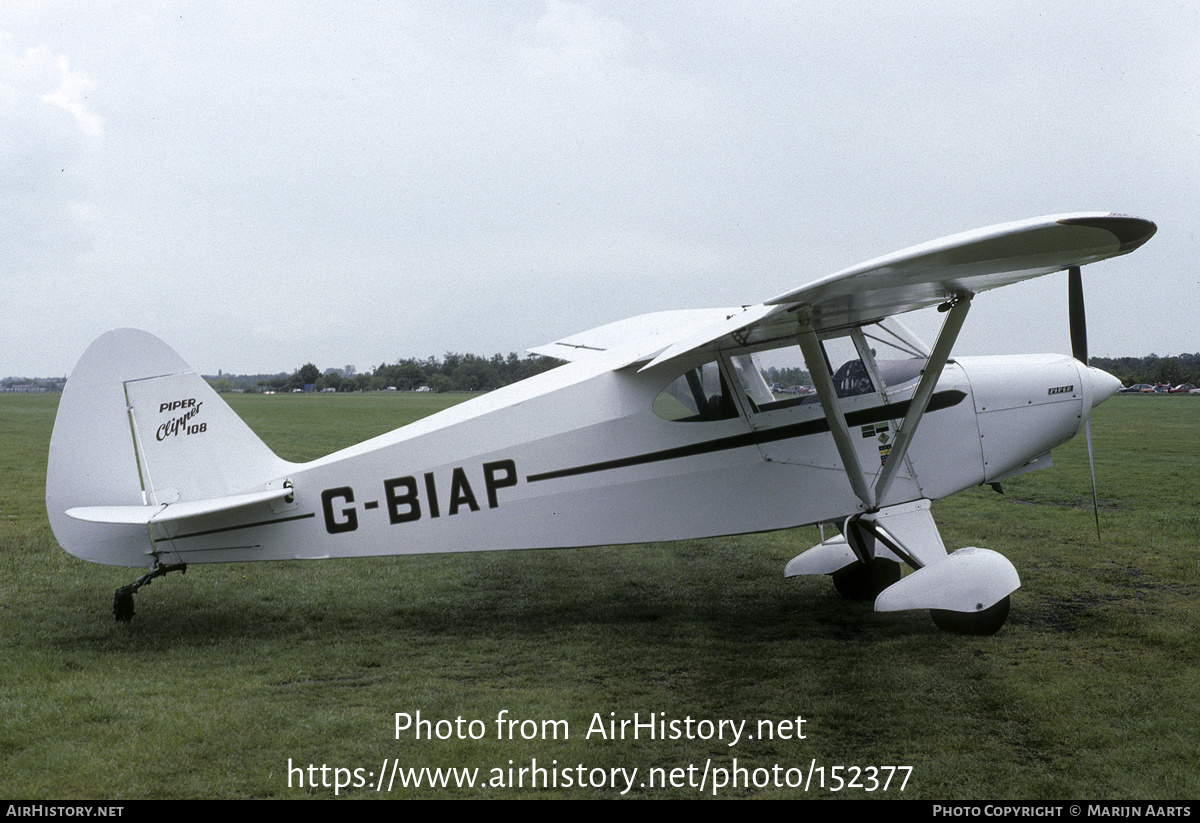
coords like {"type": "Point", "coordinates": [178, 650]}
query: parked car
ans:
{"type": "Point", "coordinates": [1140, 387]}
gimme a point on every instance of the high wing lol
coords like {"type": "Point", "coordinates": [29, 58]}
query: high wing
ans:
{"type": "Point", "coordinates": [926, 275]}
{"type": "Point", "coordinates": [637, 338]}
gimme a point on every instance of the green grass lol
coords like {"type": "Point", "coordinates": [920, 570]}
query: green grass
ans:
{"type": "Point", "coordinates": [227, 672]}
{"type": "Point", "coordinates": [305, 426]}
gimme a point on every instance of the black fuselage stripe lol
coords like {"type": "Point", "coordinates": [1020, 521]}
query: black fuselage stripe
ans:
{"type": "Point", "coordinates": [242, 526]}
{"type": "Point", "coordinates": [888, 411]}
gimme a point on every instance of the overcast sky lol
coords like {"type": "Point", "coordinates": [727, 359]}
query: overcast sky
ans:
{"type": "Point", "coordinates": [267, 184]}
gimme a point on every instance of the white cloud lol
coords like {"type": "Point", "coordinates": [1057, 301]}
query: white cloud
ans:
{"type": "Point", "coordinates": [71, 96]}
{"type": "Point", "coordinates": [39, 73]}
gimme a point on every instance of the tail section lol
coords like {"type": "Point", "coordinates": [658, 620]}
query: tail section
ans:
{"type": "Point", "coordinates": [139, 439]}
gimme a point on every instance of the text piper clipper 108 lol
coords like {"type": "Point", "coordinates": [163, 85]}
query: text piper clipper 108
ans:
{"type": "Point", "coordinates": [659, 427]}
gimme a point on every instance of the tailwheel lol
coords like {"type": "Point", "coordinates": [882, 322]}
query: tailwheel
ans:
{"type": "Point", "coordinates": [864, 581]}
{"type": "Point", "coordinates": [123, 605]}
{"type": "Point", "coordinates": [123, 598]}
{"type": "Point", "coordinates": [983, 622]}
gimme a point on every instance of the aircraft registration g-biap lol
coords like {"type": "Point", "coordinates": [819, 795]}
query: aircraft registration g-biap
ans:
{"type": "Point", "coordinates": [660, 427]}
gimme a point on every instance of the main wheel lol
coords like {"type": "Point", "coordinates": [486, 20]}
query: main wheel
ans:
{"type": "Point", "coordinates": [984, 622]}
{"type": "Point", "coordinates": [860, 581]}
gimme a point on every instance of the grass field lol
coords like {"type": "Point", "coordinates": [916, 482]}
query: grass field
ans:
{"type": "Point", "coordinates": [227, 673]}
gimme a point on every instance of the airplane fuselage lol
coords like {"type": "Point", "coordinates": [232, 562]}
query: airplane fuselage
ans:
{"type": "Point", "coordinates": [578, 457]}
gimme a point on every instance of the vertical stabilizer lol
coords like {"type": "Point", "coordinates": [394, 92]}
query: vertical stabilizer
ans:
{"type": "Point", "coordinates": [136, 427]}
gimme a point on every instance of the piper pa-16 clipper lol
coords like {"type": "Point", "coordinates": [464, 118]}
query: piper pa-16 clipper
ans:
{"type": "Point", "coordinates": [659, 427]}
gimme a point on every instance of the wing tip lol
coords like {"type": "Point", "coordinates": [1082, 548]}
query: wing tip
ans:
{"type": "Point", "coordinates": [1131, 232]}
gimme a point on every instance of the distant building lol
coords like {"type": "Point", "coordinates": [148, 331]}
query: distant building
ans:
{"type": "Point", "coordinates": [32, 388]}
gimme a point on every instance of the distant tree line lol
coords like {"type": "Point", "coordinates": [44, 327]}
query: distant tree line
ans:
{"type": "Point", "coordinates": [452, 372]}
{"type": "Point", "coordinates": [1176, 369]}
{"type": "Point", "coordinates": [32, 385]}
{"type": "Point", "coordinates": [469, 372]}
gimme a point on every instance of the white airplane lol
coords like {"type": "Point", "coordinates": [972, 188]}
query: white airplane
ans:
{"type": "Point", "coordinates": [659, 427]}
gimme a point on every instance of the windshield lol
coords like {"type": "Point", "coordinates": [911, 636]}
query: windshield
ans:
{"type": "Point", "coordinates": [777, 378]}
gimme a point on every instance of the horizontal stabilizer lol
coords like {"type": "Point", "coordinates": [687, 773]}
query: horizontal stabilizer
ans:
{"type": "Point", "coordinates": [145, 515]}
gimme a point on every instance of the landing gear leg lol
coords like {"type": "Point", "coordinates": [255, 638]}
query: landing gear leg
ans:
{"type": "Point", "coordinates": [866, 578]}
{"type": "Point", "coordinates": [123, 598]}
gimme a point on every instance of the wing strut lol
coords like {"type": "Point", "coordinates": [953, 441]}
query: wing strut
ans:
{"type": "Point", "coordinates": [958, 307]}
{"type": "Point", "coordinates": [814, 359]}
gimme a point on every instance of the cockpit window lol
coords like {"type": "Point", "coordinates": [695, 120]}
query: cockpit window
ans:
{"type": "Point", "coordinates": [778, 378]}
{"type": "Point", "coordinates": [899, 355]}
{"type": "Point", "coordinates": [696, 396]}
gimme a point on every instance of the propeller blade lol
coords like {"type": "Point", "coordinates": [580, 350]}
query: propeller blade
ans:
{"type": "Point", "coordinates": [1075, 309]}
{"type": "Point", "coordinates": [1087, 430]}
{"type": "Point", "coordinates": [1079, 352]}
